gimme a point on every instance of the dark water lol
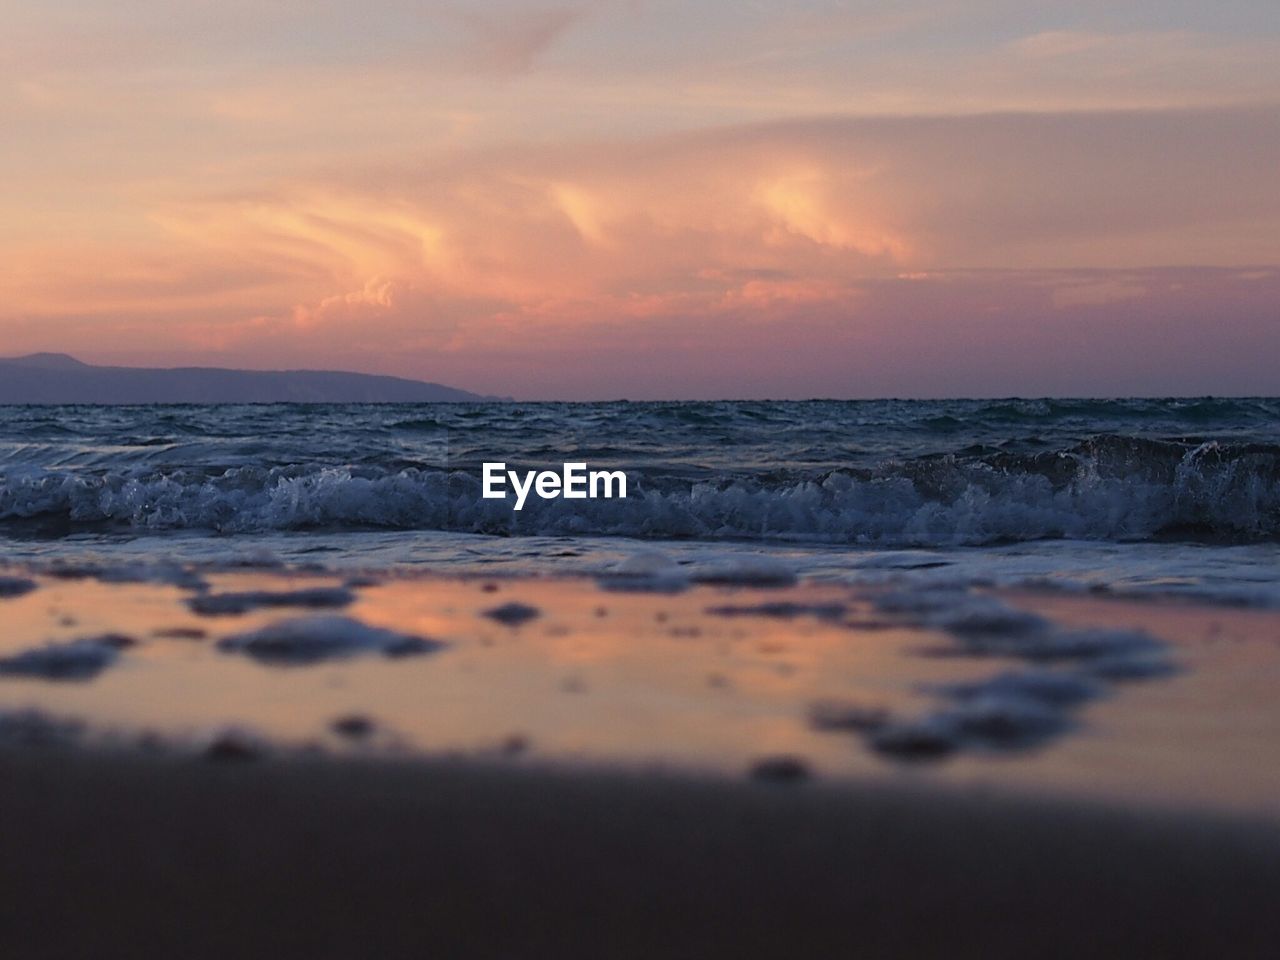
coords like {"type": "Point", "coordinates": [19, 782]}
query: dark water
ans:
{"type": "Point", "coordinates": [883, 472]}
{"type": "Point", "coordinates": [833, 480]}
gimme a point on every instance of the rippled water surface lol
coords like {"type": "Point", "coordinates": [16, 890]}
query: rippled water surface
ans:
{"type": "Point", "coordinates": [1170, 493]}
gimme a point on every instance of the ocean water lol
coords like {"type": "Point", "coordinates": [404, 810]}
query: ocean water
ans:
{"type": "Point", "coordinates": [1176, 496]}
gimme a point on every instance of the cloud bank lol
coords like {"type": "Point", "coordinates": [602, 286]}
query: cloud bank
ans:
{"type": "Point", "coordinates": [639, 199]}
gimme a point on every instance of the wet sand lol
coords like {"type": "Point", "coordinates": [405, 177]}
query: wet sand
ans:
{"type": "Point", "coordinates": [1120, 701]}
{"type": "Point", "coordinates": [131, 856]}
{"type": "Point", "coordinates": [534, 768]}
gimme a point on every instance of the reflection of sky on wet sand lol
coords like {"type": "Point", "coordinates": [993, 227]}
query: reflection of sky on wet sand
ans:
{"type": "Point", "coordinates": [642, 679]}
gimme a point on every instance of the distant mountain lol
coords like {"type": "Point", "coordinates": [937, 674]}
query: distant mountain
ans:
{"type": "Point", "coordinates": [58, 378]}
{"type": "Point", "coordinates": [47, 361]}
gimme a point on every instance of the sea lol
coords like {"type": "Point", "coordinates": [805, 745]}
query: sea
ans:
{"type": "Point", "coordinates": [1145, 497]}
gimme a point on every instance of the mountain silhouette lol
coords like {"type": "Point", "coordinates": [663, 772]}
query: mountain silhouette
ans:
{"type": "Point", "coordinates": [58, 378]}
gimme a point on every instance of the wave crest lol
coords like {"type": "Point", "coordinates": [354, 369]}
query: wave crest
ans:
{"type": "Point", "coordinates": [1109, 488]}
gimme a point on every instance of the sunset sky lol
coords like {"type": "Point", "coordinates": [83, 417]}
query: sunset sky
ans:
{"type": "Point", "coordinates": [645, 198]}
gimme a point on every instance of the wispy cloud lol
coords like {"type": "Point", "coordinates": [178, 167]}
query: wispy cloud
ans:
{"type": "Point", "coordinates": [822, 227]}
{"type": "Point", "coordinates": [542, 178]}
{"type": "Point", "coordinates": [509, 42]}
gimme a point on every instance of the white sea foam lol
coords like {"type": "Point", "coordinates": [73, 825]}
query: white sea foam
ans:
{"type": "Point", "coordinates": [306, 640]}
{"type": "Point", "coordinates": [1013, 709]}
{"type": "Point", "coordinates": [970, 505]}
{"type": "Point", "coordinates": [77, 660]}
{"type": "Point", "coordinates": [645, 571]}
{"type": "Point", "coordinates": [229, 604]}
{"type": "Point", "coordinates": [1045, 686]}
{"type": "Point", "coordinates": [15, 586]}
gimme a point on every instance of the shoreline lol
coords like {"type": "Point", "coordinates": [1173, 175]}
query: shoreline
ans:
{"type": "Point", "coordinates": [1143, 823]}
{"type": "Point", "coordinates": [1158, 704]}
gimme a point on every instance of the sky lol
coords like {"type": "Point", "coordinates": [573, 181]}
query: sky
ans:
{"type": "Point", "coordinates": [650, 199]}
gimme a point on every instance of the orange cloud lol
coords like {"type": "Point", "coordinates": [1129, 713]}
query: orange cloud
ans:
{"type": "Point", "coordinates": [504, 263]}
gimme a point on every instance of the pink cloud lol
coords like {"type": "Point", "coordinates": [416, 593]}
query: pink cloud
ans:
{"type": "Point", "coordinates": [839, 256]}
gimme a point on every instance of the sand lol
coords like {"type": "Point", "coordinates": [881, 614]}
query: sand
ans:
{"type": "Point", "coordinates": [576, 781]}
{"type": "Point", "coordinates": [128, 856]}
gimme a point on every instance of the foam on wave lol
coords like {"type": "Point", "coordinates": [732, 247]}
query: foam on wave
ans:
{"type": "Point", "coordinates": [1108, 489]}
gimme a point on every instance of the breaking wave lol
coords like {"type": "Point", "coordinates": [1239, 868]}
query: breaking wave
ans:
{"type": "Point", "coordinates": [1105, 488]}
